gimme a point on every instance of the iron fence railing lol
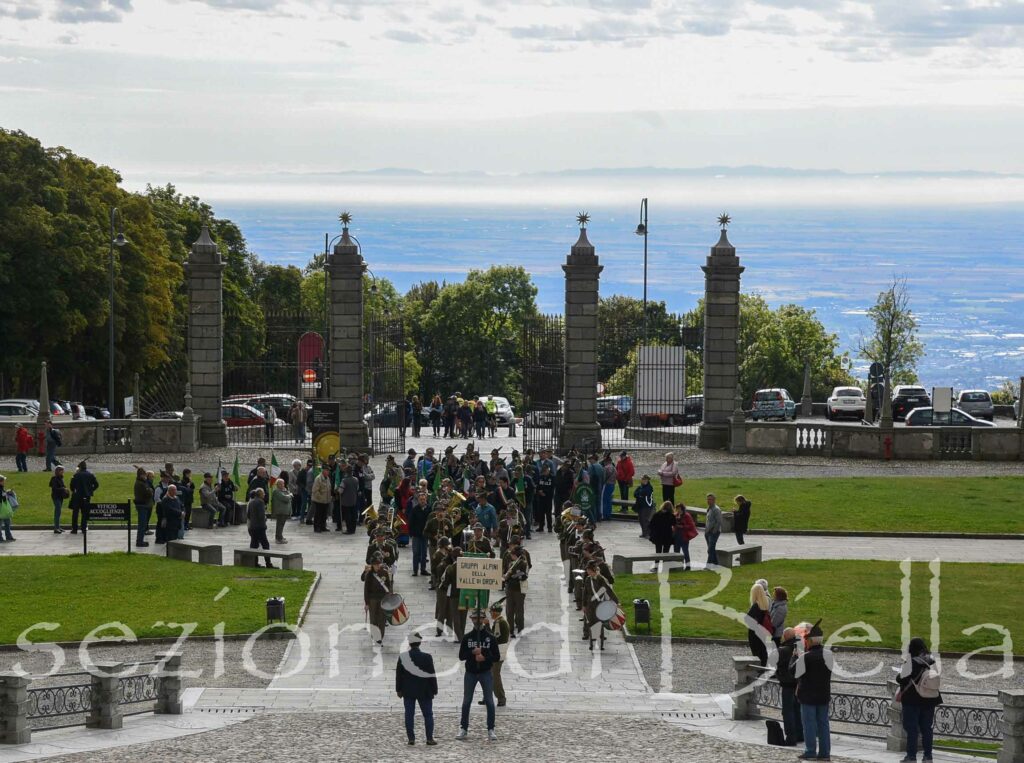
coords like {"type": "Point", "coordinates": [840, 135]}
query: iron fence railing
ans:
{"type": "Point", "coordinates": [978, 723]}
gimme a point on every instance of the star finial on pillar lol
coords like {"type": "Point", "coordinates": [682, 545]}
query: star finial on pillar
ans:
{"type": "Point", "coordinates": [724, 220]}
{"type": "Point", "coordinates": [583, 218]}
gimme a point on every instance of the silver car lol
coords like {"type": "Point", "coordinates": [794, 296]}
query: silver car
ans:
{"type": "Point", "coordinates": [976, 402]}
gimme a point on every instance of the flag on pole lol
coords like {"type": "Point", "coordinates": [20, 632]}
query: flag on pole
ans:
{"type": "Point", "coordinates": [275, 472]}
{"type": "Point", "coordinates": [236, 478]}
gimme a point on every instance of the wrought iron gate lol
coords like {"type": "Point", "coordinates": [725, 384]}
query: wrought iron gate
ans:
{"type": "Point", "coordinates": [270, 364]}
{"type": "Point", "coordinates": [543, 343]}
{"type": "Point", "coordinates": [384, 395]}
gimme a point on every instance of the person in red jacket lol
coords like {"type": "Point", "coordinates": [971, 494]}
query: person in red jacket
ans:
{"type": "Point", "coordinates": [624, 472]}
{"type": "Point", "coordinates": [23, 442]}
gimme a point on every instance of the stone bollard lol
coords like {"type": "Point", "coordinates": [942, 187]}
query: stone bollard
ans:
{"type": "Point", "coordinates": [896, 741]}
{"type": "Point", "coordinates": [168, 696]}
{"type": "Point", "coordinates": [106, 697]}
{"type": "Point", "coordinates": [1012, 726]}
{"type": "Point", "coordinates": [14, 709]}
{"type": "Point", "coordinates": [744, 708]}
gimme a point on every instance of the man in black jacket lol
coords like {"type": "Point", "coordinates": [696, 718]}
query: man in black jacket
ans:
{"type": "Point", "coordinates": [415, 682]}
{"type": "Point", "coordinates": [83, 485]}
{"type": "Point", "coordinates": [479, 650]}
{"type": "Point", "coordinates": [787, 681]}
{"type": "Point", "coordinates": [813, 671]}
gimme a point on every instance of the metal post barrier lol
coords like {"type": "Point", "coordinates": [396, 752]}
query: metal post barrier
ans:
{"type": "Point", "coordinates": [106, 697]}
{"type": "Point", "coordinates": [14, 709]}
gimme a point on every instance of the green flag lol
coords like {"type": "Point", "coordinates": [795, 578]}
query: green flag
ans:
{"type": "Point", "coordinates": [437, 480]}
{"type": "Point", "coordinates": [234, 473]}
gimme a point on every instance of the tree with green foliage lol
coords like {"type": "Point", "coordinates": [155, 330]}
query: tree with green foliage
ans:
{"type": "Point", "coordinates": [773, 346]}
{"type": "Point", "coordinates": [893, 340]}
{"type": "Point", "coordinates": [54, 273]}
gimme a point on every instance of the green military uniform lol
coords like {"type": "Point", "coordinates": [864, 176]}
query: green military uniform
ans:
{"type": "Point", "coordinates": [388, 551]}
{"type": "Point", "coordinates": [449, 587]}
{"type": "Point", "coordinates": [376, 585]}
{"type": "Point", "coordinates": [438, 526]}
{"type": "Point", "coordinates": [442, 612]}
{"type": "Point", "coordinates": [515, 589]}
{"type": "Point", "coordinates": [595, 590]}
{"type": "Point", "coordinates": [438, 561]}
{"type": "Point", "coordinates": [480, 545]}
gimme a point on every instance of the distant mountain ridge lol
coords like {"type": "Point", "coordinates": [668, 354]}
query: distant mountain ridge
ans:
{"type": "Point", "coordinates": [710, 171]}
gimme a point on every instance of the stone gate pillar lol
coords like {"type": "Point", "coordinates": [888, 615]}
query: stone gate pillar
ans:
{"type": "Point", "coordinates": [582, 278]}
{"type": "Point", "coordinates": [345, 268]}
{"type": "Point", "coordinates": [205, 273]}
{"type": "Point", "coordinates": [721, 332]}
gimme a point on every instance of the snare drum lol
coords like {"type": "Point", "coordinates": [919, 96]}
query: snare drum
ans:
{"type": "Point", "coordinates": [394, 607]}
{"type": "Point", "coordinates": [619, 620]}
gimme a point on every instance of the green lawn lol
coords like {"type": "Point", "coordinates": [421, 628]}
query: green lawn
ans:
{"type": "Point", "coordinates": [83, 592]}
{"type": "Point", "coordinates": [843, 592]}
{"type": "Point", "coordinates": [36, 508]}
{"type": "Point", "coordinates": [888, 504]}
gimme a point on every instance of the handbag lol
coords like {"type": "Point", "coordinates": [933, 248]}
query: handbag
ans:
{"type": "Point", "coordinates": [12, 499]}
{"type": "Point", "coordinates": [677, 481]}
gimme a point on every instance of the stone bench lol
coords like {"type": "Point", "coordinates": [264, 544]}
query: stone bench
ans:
{"type": "Point", "coordinates": [249, 557]}
{"type": "Point", "coordinates": [623, 565]}
{"type": "Point", "coordinates": [208, 553]}
{"type": "Point", "coordinates": [747, 554]}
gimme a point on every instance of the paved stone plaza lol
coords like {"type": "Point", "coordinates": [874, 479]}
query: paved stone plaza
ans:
{"type": "Point", "coordinates": [333, 697]}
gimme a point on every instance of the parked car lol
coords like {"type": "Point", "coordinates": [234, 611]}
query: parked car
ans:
{"type": "Point", "coordinates": [33, 404]}
{"type": "Point", "coordinates": [386, 415]}
{"type": "Point", "coordinates": [613, 412]}
{"type": "Point", "coordinates": [977, 403]}
{"type": "Point", "coordinates": [693, 409]}
{"type": "Point", "coordinates": [167, 415]}
{"type": "Point", "coordinates": [907, 397]}
{"type": "Point", "coordinates": [505, 414]}
{"type": "Point", "coordinates": [17, 410]}
{"type": "Point", "coordinates": [97, 411]}
{"type": "Point", "coordinates": [846, 401]}
{"type": "Point", "coordinates": [241, 415]}
{"type": "Point", "coordinates": [773, 403]}
{"type": "Point", "coordinates": [922, 417]}
{"type": "Point", "coordinates": [281, 401]}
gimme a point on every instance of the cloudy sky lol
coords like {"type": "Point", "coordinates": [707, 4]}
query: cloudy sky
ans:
{"type": "Point", "coordinates": [184, 86]}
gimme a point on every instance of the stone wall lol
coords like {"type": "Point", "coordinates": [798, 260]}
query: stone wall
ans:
{"type": "Point", "coordinates": [907, 443]}
{"type": "Point", "coordinates": [116, 436]}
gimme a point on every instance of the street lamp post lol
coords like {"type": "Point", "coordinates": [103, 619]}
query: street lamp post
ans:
{"type": "Point", "coordinates": [641, 230]}
{"type": "Point", "coordinates": [116, 239]}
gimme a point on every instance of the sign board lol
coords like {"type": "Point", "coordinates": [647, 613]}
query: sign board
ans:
{"type": "Point", "coordinates": [311, 360]}
{"type": "Point", "coordinates": [480, 573]}
{"type": "Point", "coordinates": [129, 406]}
{"type": "Point", "coordinates": [109, 511]}
{"type": "Point", "coordinates": [586, 499]}
{"type": "Point", "coordinates": [942, 400]}
{"type": "Point", "coordinates": [325, 425]}
{"type": "Point", "coordinates": [660, 382]}
{"type": "Point", "coordinates": [121, 511]}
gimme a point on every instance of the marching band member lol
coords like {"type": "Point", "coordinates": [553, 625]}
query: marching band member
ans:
{"type": "Point", "coordinates": [376, 585]}
{"type": "Point", "coordinates": [515, 589]}
{"type": "Point", "coordinates": [595, 590]}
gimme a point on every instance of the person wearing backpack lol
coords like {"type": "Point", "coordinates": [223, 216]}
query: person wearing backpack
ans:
{"type": "Point", "coordinates": [919, 694]}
